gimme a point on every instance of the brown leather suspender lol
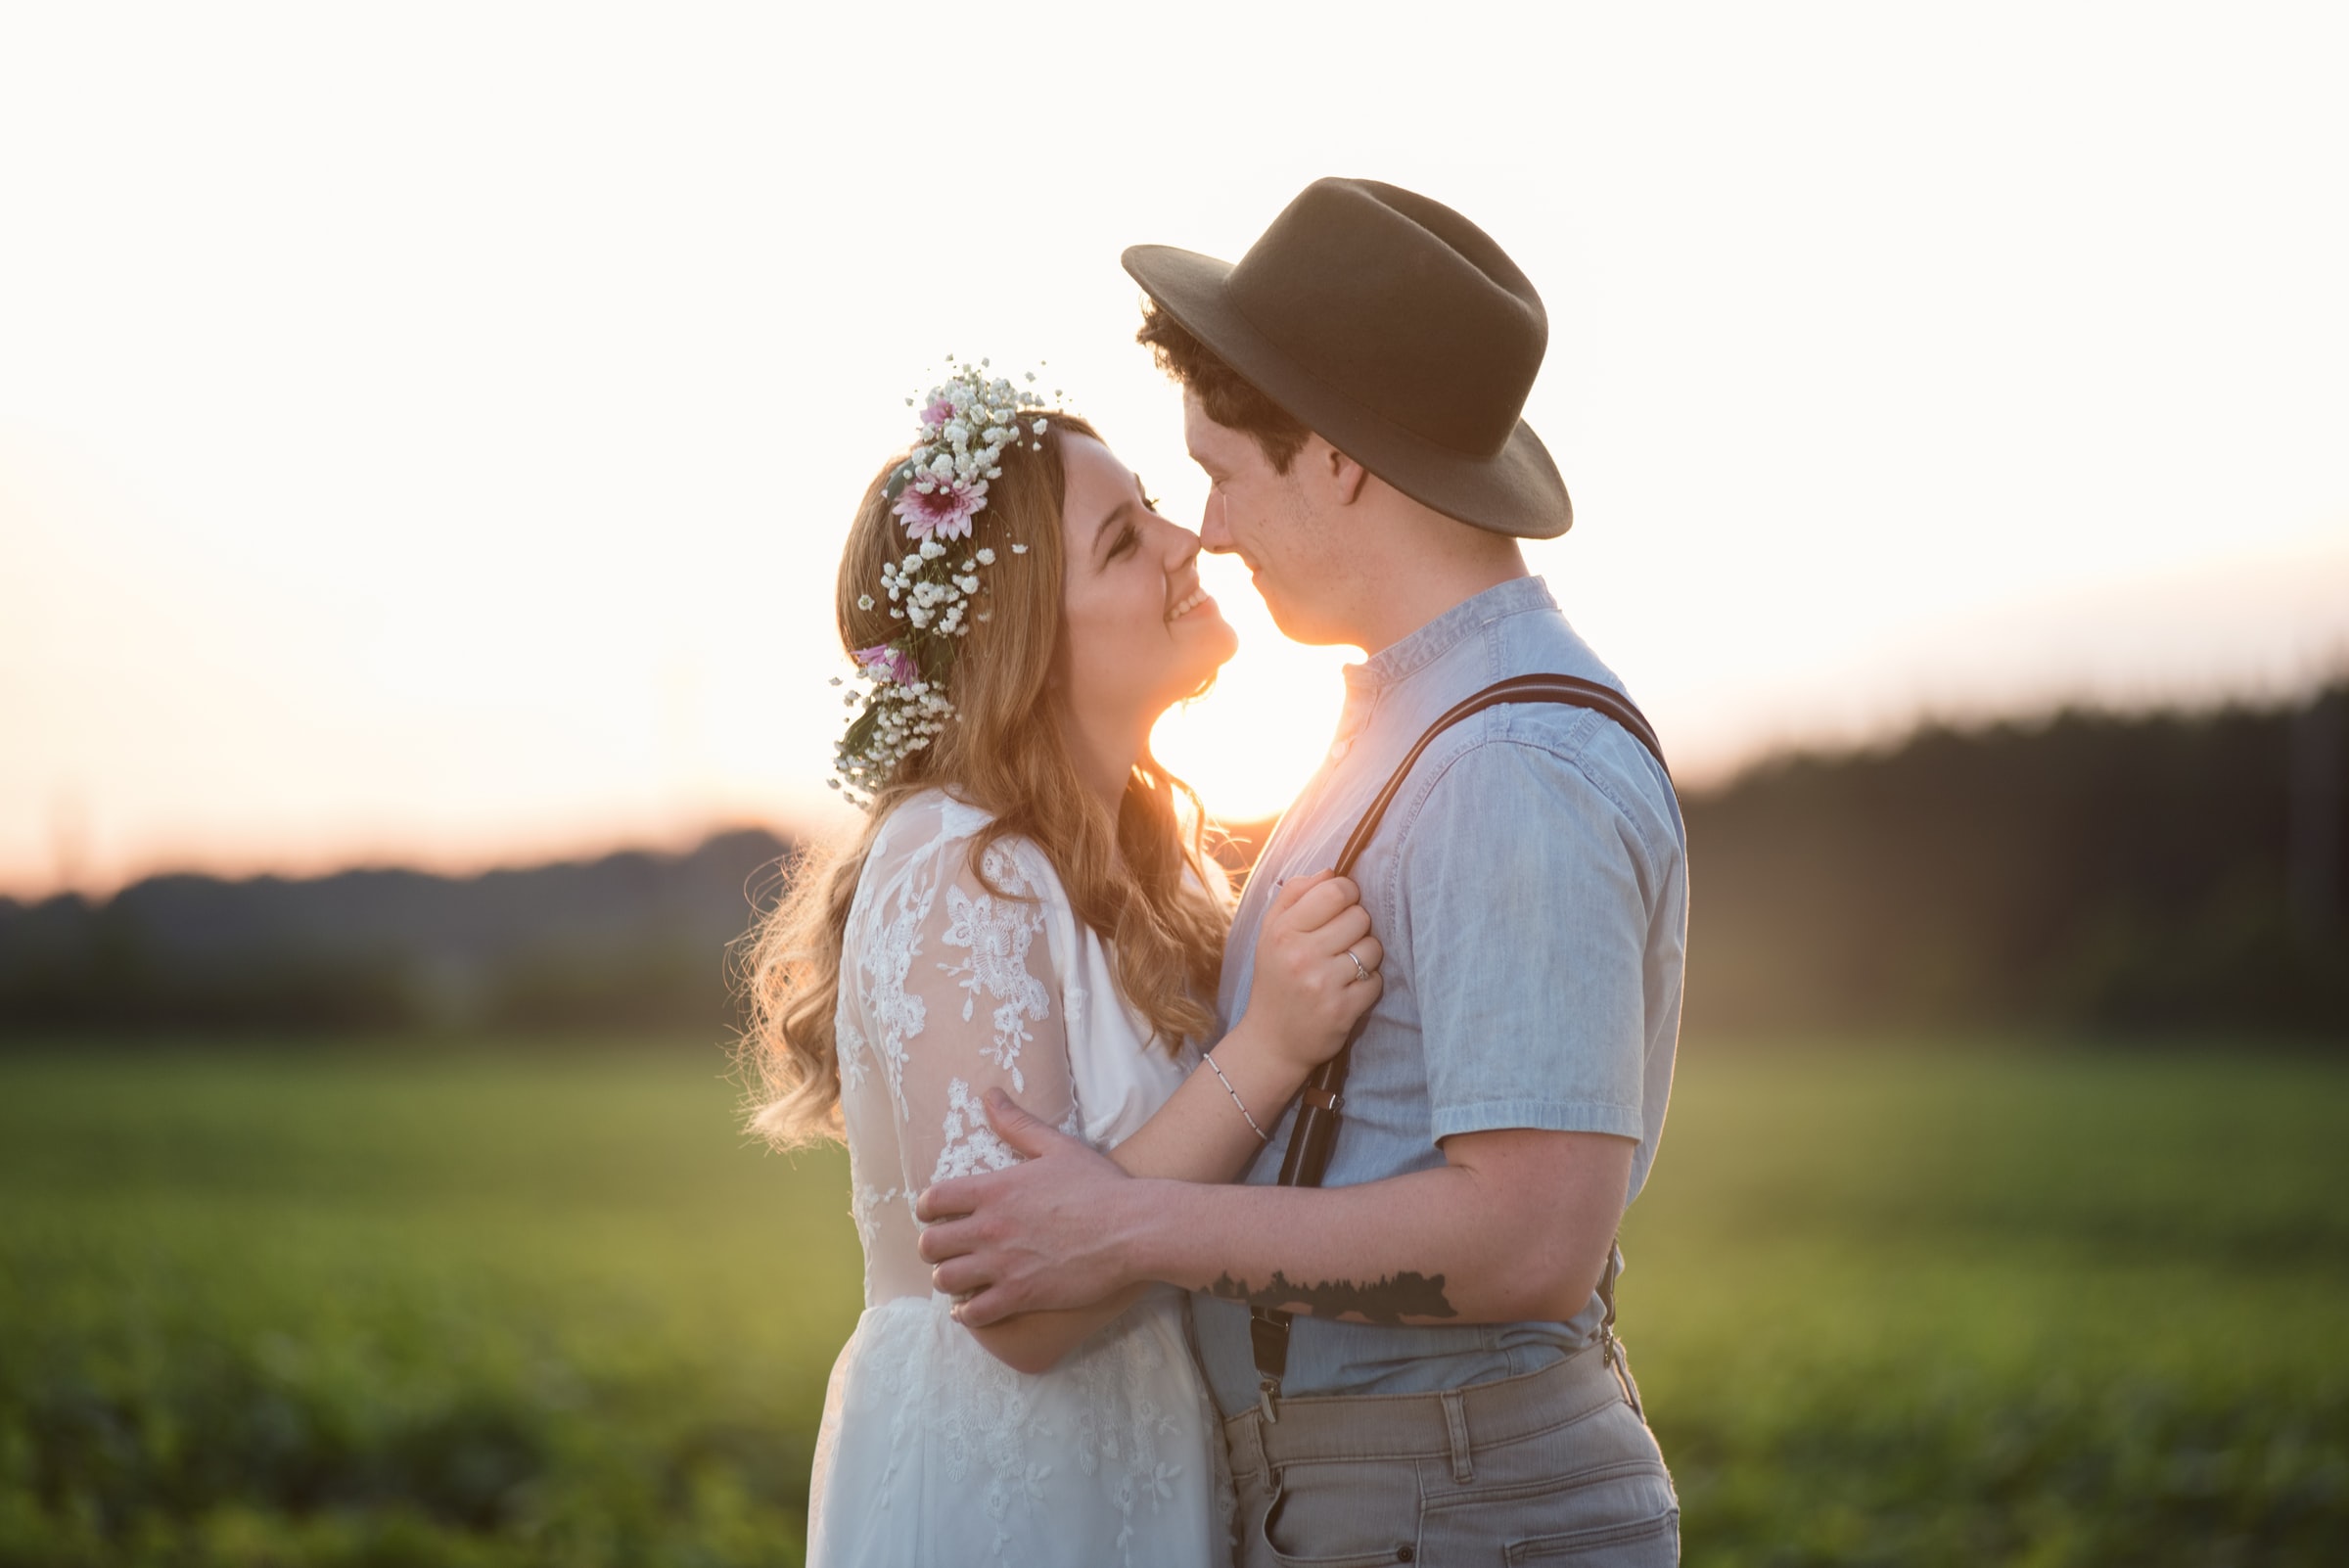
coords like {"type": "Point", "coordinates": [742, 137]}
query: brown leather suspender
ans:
{"type": "Point", "coordinates": [1315, 1133]}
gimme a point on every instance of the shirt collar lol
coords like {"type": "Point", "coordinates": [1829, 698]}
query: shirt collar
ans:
{"type": "Point", "coordinates": [1395, 663]}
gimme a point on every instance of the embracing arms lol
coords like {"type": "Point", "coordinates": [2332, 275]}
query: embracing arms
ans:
{"type": "Point", "coordinates": [1514, 1226]}
{"type": "Point", "coordinates": [1528, 947]}
{"type": "Point", "coordinates": [1308, 996]}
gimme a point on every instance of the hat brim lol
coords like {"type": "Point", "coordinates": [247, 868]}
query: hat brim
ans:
{"type": "Point", "coordinates": [1517, 490]}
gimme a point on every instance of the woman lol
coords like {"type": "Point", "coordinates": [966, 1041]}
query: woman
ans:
{"type": "Point", "coordinates": [1026, 909]}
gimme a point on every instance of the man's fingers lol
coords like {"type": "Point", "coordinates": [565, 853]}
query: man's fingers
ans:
{"type": "Point", "coordinates": [991, 1306]}
{"type": "Point", "coordinates": [958, 1276]}
{"type": "Point", "coordinates": [1031, 1134]}
{"type": "Point", "coordinates": [948, 1238]}
{"type": "Point", "coordinates": [949, 1199]}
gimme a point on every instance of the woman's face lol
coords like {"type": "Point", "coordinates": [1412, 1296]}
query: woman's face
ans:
{"type": "Point", "coordinates": [1142, 633]}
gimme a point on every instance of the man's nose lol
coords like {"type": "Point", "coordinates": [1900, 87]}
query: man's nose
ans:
{"type": "Point", "coordinates": [1214, 536]}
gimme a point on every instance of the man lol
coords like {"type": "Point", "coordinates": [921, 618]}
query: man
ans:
{"type": "Point", "coordinates": [1451, 1387]}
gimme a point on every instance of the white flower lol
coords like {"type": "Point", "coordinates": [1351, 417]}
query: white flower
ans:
{"type": "Point", "coordinates": [964, 425]}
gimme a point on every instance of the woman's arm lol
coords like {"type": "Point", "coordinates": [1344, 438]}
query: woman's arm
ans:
{"type": "Point", "coordinates": [1305, 999]}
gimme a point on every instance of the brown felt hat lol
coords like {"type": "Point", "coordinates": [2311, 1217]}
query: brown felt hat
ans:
{"type": "Point", "coordinates": [1395, 330]}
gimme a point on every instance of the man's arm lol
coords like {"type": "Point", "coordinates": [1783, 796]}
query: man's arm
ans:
{"type": "Point", "coordinates": [1515, 1225]}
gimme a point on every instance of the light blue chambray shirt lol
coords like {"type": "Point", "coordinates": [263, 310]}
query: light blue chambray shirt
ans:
{"type": "Point", "coordinates": [1530, 884]}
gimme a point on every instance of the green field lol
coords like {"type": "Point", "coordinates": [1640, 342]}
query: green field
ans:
{"type": "Point", "coordinates": [543, 1306]}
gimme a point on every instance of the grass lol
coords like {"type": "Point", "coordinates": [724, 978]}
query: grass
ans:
{"type": "Point", "coordinates": [1887, 1305]}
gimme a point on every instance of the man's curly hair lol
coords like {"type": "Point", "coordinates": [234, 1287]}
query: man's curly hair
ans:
{"type": "Point", "coordinates": [1230, 401]}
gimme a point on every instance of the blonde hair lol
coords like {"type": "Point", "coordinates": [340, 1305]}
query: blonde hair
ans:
{"type": "Point", "coordinates": [1143, 880]}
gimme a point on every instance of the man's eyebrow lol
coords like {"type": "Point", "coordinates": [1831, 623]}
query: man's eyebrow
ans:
{"type": "Point", "coordinates": [1116, 512]}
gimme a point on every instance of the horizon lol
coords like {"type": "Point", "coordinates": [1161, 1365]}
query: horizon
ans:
{"type": "Point", "coordinates": [462, 489]}
{"type": "Point", "coordinates": [693, 839]}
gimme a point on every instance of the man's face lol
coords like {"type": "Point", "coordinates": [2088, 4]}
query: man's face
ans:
{"type": "Point", "coordinates": [1268, 520]}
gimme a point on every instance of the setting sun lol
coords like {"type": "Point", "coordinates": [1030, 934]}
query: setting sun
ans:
{"type": "Point", "coordinates": [1249, 745]}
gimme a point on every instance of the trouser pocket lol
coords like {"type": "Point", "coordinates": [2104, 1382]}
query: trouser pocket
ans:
{"type": "Point", "coordinates": [1653, 1543]}
{"type": "Point", "coordinates": [1338, 1515]}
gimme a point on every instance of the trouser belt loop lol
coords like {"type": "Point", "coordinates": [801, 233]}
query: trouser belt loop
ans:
{"type": "Point", "coordinates": [1455, 1428]}
{"type": "Point", "coordinates": [1248, 1452]}
{"type": "Point", "coordinates": [1621, 1365]}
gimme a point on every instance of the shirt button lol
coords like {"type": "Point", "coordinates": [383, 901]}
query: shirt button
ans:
{"type": "Point", "coordinates": [1337, 753]}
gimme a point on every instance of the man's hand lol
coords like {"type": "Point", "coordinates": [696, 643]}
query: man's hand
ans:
{"type": "Point", "coordinates": [1044, 1234]}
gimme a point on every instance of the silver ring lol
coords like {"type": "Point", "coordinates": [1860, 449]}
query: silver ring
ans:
{"type": "Point", "coordinates": [1357, 964]}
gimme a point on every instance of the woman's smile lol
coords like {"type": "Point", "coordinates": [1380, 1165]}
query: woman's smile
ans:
{"type": "Point", "coordinates": [1198, 598]}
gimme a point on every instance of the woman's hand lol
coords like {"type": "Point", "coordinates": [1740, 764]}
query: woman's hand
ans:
{"type": "Point", "coordinates": [1316, 970]}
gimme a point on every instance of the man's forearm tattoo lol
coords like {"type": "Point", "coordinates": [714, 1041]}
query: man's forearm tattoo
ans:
{"type": "Point", "coordinates": [1389, 1299]}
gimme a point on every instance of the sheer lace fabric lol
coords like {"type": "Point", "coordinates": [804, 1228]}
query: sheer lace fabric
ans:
{"type": "Point", "coordinates": [931, 1449]}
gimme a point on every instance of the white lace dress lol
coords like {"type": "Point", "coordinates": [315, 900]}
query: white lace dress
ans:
{"type": "Point", "coordinates": [932, 1451]}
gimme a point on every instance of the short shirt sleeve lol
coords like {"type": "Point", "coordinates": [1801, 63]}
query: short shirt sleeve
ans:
{"type": "Point", "coordinates": [1526, 890]}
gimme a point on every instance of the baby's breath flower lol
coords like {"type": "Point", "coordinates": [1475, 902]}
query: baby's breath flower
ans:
{"type": "Point", "coordinates": [964, 425]}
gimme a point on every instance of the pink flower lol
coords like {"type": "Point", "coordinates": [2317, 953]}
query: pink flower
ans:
{"type": "Point", "coordinates": [890, 664]}
{"type": "Point", "coordinates": [946, 511]}
{"type": "Point", "coordinates": [938, 413]}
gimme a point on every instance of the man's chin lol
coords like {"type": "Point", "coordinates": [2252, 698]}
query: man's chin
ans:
{"type": "Point", "coordinates": [1299, 627]}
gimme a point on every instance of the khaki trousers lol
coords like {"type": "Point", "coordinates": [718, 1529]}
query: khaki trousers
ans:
{"type": "Point", "coordinates": [1554, 1467]}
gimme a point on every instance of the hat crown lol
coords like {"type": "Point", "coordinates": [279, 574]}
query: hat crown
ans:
{"type": "Point", "coordinates": [1403, 303]}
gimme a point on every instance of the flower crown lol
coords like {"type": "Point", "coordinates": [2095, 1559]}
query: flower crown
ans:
{"type": "Point", "coordinates": [967, 422]}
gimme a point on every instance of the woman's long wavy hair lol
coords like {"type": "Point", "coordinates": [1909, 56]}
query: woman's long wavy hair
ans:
{"type": "Point", "coordinates": [1143, 880]}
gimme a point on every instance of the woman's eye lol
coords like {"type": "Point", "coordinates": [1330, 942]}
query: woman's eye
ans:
{"type": "Point", "coordinates": [1150, 501]}
{"type": "Point", "coordinates": [1124, 542]}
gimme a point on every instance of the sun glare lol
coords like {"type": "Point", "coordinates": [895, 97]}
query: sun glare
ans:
{"type": "Point", "coordinates": [1249, 745]}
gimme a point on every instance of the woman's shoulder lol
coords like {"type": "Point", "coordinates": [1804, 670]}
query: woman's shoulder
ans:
{"type": "Point", "coordinates": [939, 826]}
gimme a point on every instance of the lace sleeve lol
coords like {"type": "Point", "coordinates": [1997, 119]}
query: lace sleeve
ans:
{"type": "Point", "coordinates": [982, 1004]}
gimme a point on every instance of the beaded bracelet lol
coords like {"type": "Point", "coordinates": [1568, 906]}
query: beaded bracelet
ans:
{"type": "Point", "coordinates": [1261, 1137]}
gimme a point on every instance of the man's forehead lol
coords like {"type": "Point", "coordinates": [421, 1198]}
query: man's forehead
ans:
{"type": "Point", "coordinates": [1200, 432]}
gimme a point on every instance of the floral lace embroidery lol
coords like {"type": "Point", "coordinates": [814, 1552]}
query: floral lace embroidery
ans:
{"type": "Point", "coordinates": [1120, 1435]}
{"type": "Point", "coordinates": [849, 1047]}
{"type": "Point", "coordinates": [1015, 1458]}
{"type": "Point", "coordinates": [890, 950]}
{"type": "Point", "coordinates": [861, 1209]}
{"type": "Point", "coordinates": [971, 1144]}
{"type": "Point", "coordinates": [984, 1415]}
{"type": "Point", "coordinates": [998, 934]}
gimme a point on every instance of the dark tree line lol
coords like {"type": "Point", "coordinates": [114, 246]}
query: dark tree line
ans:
{"type": "Point", "coordinates": [630, 942]}
{"type": "Point", "coordinates": [2179, 872]}
{"type": "Point", "coordinates": [2137, 875]}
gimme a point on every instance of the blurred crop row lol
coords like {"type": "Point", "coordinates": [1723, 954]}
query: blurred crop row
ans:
{"type": "Point", "coordinates": [405, 1305]}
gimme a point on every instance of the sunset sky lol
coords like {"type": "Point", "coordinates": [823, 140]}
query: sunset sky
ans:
{"type": "Point", "coordinates": [427, 433]}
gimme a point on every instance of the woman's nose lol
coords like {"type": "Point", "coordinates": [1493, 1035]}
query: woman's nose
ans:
{"type": "Point", "coordinates": [1181, 545]}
